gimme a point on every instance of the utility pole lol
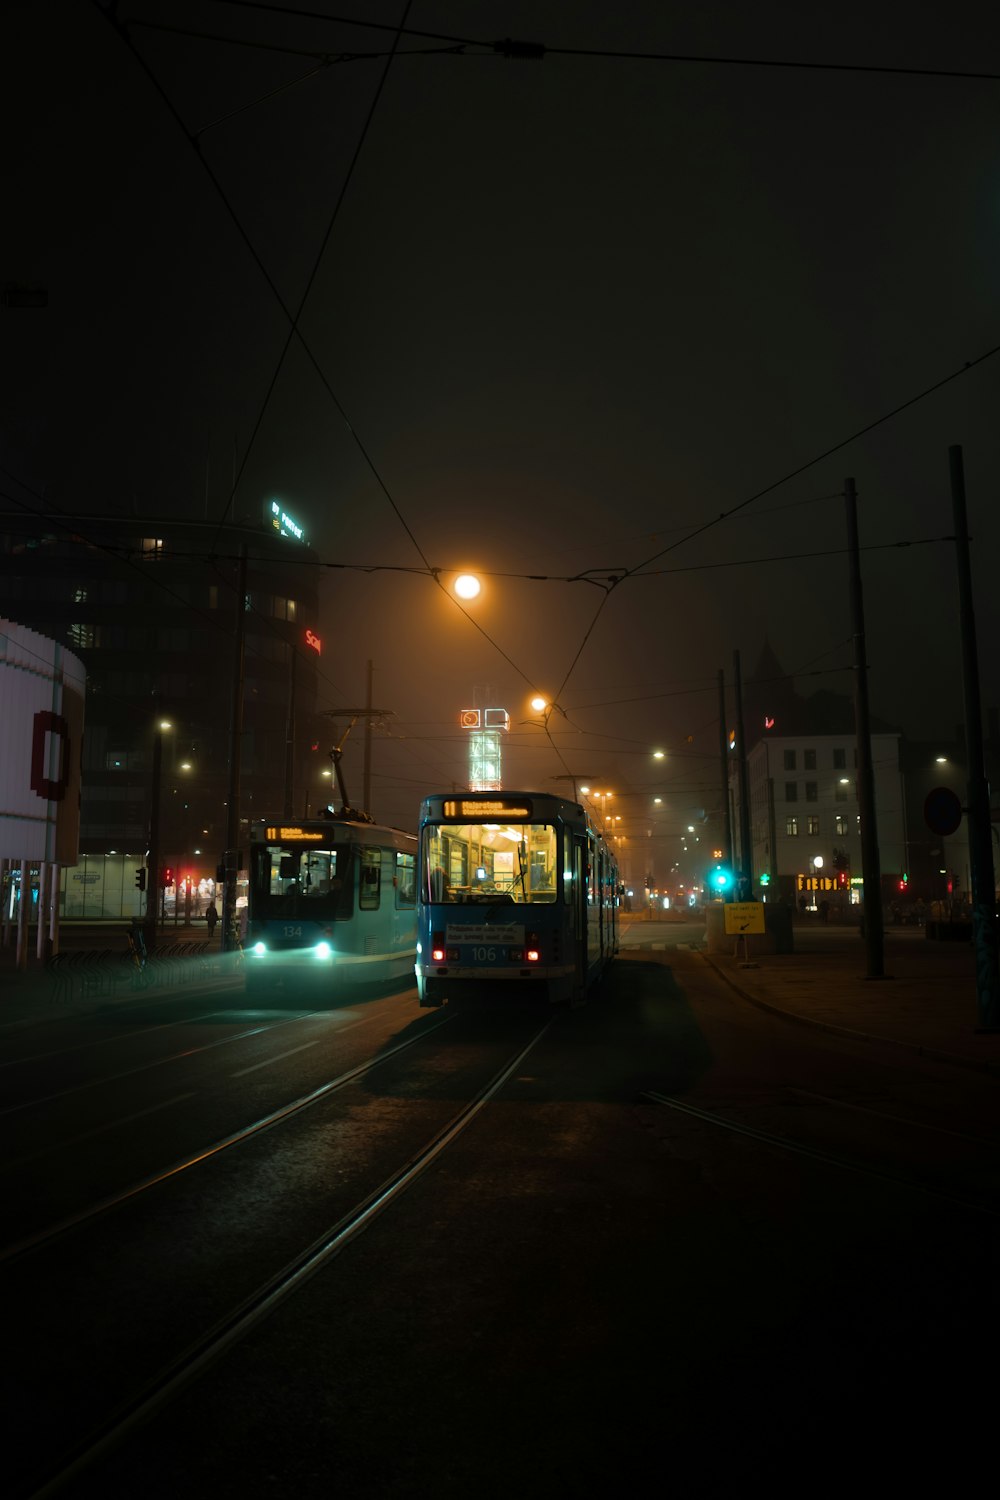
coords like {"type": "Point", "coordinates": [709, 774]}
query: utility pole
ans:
{"type": "Point", "coordinates": [727, 822]}
{"type": "Point", "coordinates": [871, 874]}
{"type": "Point", "coordinates": [290, 737]}
{"type": "Point", "coordinates": [153, 856]}
{"type": "Point", "coordinates": [984, 919]}
{"type": "Point", "coordinates": [230, 936]}
{"type": "Point", "coordinates": [746, 853]}
{"type": "Point", "coordinates": [366, 780]}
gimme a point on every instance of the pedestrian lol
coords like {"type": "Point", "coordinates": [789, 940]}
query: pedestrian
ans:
{"type": "Point", "coordinates": [211, 917]}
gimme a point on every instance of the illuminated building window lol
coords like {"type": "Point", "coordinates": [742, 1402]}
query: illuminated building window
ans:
{"type": "Point", "coordinates": [792, 827]}
{"type": "Point", "coordinates": [812, 825]}
{"type": "Point", "coordinates": [151, 546]}
{"type": "Point", "coordinates": [841, 823]}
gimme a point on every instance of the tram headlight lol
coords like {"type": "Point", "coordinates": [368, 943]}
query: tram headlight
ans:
{"type": "Point", "coordinates": [260, 949]}
{"type": "Point", "coordinates": [323, 950]}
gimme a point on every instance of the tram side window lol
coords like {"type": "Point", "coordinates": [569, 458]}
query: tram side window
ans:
{"type": "Point", "coordinates": [406, 879]}
{"type": "Point", "coordinates": [370, 887]}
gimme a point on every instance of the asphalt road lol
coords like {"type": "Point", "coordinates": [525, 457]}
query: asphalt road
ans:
{"type": "Point", "coordinates": [621, 1273]}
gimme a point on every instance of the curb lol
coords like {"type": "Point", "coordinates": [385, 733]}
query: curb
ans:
{"type": "Point", "coordinates": [935, 1053]}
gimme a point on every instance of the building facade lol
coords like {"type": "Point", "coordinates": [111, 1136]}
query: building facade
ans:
{"type": "Point", "coordinates": [150, 608]}
{"type": "Point", "coordinates": [805, 818]}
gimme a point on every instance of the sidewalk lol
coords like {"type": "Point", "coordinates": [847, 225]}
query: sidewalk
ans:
{"type": "Point", "coordinates": [928, 1005]}
{"type": "Point", "coordinates": [93, 972]}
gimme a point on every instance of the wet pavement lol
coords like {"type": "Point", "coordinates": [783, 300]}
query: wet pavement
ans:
{"type": "Point", "coordinates": [926, 998]}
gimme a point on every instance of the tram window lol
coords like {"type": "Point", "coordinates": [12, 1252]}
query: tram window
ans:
{"type": "Point", "coordinates": [370, 889]}
{"type": "Point", "coordinates": [482, 862]}
{"type": "Point", "coordinates": [406, 879]}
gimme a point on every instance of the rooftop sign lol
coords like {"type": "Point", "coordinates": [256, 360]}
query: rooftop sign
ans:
{"type": "Point", "coordinates": [284, 524]}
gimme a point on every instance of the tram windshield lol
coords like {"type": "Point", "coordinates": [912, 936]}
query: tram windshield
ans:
{"type": "Point", "coordinates": [287, 880]}
{"type": "Point", "coordinates": [489, 862]}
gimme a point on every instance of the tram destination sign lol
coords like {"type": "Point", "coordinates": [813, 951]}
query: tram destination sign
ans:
{"type": "Point", "coordinates": [486, 807]}
{"type": "Point", "coordinates": [292, 834]}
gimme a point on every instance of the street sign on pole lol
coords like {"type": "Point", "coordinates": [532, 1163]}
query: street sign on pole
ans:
{"type": "Point", "coordinates": [943, 811]}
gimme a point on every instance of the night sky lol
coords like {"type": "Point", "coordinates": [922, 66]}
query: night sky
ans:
{"type": "Point", "coordinates": [577, 312]}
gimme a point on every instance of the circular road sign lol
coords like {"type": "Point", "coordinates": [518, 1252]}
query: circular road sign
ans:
{"type": "Point", "coordinates": [942, 811]}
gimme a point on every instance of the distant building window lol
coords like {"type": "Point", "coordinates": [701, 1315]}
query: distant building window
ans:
{"type": "Point", "coordinates": [792, 827]}
{"type": "Point", "coordinates": [812, 825]}
{"type": "Point", "coordinates": [82, 635]}
{"type": "Point", "coordinates": [789, 760]}
{"type": "Point", "coordinates": [841, 823]}
{"type": "Point", "coordinates": [840, 760]}
{"type": "Point", "coordinates": [791, 790]}
{"type": "Point", "coordinates": [812, 791]}
{"type": "Point", "coordinates": [809, 759]}
{"type": "Point", "coordinates": [151, 546]}
{"type": "Point", "coordinates": [80, 595]}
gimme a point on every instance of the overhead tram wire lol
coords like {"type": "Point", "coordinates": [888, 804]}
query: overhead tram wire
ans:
{"type": "Point", "coordinates": [120, 28]}
{"type": "Point", "coordinates": [294, 330]}
{"type": "Point", "coordinates": [518, 49]}
{"type": "Point", "coordinates": [629, 573]}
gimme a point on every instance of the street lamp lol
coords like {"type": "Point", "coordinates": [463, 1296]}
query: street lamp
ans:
{"type": "Point", "coordinates": [467, 586]}
{"type": "Point", "coordinates": [153, 856]}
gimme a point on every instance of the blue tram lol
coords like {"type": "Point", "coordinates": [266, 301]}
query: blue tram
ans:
{"type": "Point", "coordinates": [331, 901]}
{"type": "Point", "coordinates": [515, 887]}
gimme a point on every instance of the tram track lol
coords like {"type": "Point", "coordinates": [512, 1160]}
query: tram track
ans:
{"type": "Point", "coordinates": [235, 1138]}
{"type": "Point", "coordinates": [132, 1401]}
{"type": "Point", "coordinates": [172, 1378]}
{"type": "Point", "coordinates": [819, 1154]}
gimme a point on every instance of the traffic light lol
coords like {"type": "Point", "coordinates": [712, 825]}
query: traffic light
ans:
{"type": "Point", "coordinates": [168, 876]}
{"type": "Point", "coordinates": [765, 878]}
{"type": "Point", "coordinates": [903, 882]}
{"type": "Point", "coordinates": [720, 880]}
{"type": "Point", "coordinates": [140, 879]}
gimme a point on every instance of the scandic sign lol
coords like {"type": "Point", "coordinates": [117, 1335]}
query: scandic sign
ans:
{"type": "Point", "coordinates": [314, 641]}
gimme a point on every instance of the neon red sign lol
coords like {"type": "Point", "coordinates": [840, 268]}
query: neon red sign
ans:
{"type": "Point", "coordinates": [314, 641]}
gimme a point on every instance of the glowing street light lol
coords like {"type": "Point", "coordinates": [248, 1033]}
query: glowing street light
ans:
{"type": "Point", "coordinates": [539, 704]}
{"type": "Point", "coordinates": [467, 586]}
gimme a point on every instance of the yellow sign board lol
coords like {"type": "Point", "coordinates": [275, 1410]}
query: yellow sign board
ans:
{"type": "Point", "coordinates": [744, 916]}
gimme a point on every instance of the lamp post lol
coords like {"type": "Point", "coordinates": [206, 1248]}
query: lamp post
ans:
{"type": "Point", "coordinates": [153, 856]}
{"type": "Point", "coordinates": [817, 868]}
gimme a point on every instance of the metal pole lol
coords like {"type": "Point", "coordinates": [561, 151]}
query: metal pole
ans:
{"type": "Point", "coordinates": [153, 856]}
{"type": "Point", "coordinates": [984, 912]}
{"type": "Point", "coordinates": [870, 872]}
{"type": "Point", "coordinates": [366, 785]}
{"type": "Point", "coordinates": [727, 822]}
{"type": "Point", "coordinates": [746, 853]}
{"type": "Point", "coordinates": [23, 908]}
{"type": "Point", "coordinates": [290, 738]}
{"type": "Point", "coordinates": [232, 860]}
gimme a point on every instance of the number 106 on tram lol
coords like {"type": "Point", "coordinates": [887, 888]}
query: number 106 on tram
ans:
{"type": "Point", "coordinates": [515, 890]}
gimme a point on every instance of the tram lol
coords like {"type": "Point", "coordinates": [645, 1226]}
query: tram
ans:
{"type": "Point", "coordinates": [516, 889]}
{"type": "Point", "coordinates": [331, 902]}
